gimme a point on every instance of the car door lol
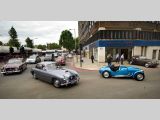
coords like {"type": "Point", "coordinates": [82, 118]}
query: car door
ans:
{"type": "Point", "coordinates": [121, 72]}
{"type": "Point", "coordinates": [40, 72]}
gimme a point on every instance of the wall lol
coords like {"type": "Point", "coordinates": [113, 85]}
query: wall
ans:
{"type": "Point", "coordinates": [101, 54]}
{"type": "Point", "coordinates": [136, 51]}
{"type": "Point", "coordinates": [150, 51]}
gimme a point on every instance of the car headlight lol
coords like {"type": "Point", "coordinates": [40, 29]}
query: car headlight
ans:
{"type": "Point", "coordinates": [141, 71]}
{"type": "Point", "coordinates": [16, 69]}
{"type": "Point", "coordinates": [2, 69]}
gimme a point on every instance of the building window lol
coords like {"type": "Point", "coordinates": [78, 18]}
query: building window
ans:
{"type": "Point", "coordinates": [154, 54]}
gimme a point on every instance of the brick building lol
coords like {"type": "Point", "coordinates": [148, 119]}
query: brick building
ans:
{"type": "Point", "coordinates": [129, 37]}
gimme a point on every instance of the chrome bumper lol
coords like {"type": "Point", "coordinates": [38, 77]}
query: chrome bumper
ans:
{"type": "Point", "coordinates": [70, 82]}
{"type": "Point", "coordinates": [9, 72]}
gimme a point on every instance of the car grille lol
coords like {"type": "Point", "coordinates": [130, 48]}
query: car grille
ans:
{"type": "Point", "coordinates": [10, 69]}
{"type": "Point", "coordinates": [72, 78]}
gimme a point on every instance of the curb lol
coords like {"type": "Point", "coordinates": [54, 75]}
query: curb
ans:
{"type": "Point", "coordinates": [73, 65]}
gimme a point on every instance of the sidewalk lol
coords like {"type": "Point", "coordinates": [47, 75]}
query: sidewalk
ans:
{"type": "Point", "coordinates": [87, 64]}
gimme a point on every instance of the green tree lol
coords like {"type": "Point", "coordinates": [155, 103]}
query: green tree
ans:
{"type": "Point", "coordinates": [29, 42]}
{"type": "Point", "coordinates": [43, 47]}
{"type": "Point", "coordinates": [77, 42]}
{"type": "Point", "coordinates": [66, 40]}
{"type": "Point", "coordinates": [53, 46]}
{"type": "Point", "coordinates": [13, 38]}
{"type": "Point", "coordinates": [1, 43]}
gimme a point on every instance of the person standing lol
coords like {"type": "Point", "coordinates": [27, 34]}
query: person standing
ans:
{"type": "Point", "coordinates": [92, 58]}
{"type": "Point", "coordinates": [122, 59]}
{"type": "Point", "coordinates": [109, 59]}
{"type": "Point", "coordinates": [117, 58]}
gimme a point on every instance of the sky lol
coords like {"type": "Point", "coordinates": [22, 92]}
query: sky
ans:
{"type": "Point", "coordinates": [41, 32]}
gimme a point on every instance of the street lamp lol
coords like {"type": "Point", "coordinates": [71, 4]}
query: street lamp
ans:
{"type": "Point", "coordinates": [75, 42]}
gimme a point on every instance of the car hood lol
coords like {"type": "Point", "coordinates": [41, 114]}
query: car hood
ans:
{"type": "Point", "coordinates": [11, 65]}
{"type": "Point", "coordinates": [61, 73]}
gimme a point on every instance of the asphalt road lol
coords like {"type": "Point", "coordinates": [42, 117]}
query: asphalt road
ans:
{"type": "Point", "coordinates": [91, 86]}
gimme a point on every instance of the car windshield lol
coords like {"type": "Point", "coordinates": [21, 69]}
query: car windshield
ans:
{"type": "Point", "coordinates": [51, 66]}
{"type": "Point", "coordinates": [12, 61]}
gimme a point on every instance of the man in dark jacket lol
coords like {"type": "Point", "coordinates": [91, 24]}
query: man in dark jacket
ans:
{"type": "Point", "coordinates": [92, 58]}
{"type": "Point", "coordinates": [109, 60]}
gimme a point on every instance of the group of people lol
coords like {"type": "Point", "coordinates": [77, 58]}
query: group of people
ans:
{"type": "Point", "coordinates": [110, 59]}
{"type": "Point", "coordinates": [118, 59]}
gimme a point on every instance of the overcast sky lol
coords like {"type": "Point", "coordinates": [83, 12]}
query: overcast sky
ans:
{"type": "Point", "coordinates": [41, 31]}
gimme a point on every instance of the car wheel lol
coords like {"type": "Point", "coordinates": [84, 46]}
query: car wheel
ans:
{"type": "Point", "coordinates": [139, 76]}
{"type": "Point", "coordinates": [146, 65]}
{"type": "Point", "coordinates": [56, 83]}
{"type": "Point", "coordinates": [35, 76]}
{"type": "Point", "coordinates": [106, 74]}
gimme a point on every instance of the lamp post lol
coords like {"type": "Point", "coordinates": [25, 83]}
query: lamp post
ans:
{"type": "Point", "coordinates": [75, 43]}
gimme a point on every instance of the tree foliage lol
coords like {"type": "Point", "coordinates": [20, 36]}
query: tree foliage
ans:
{"type": "Point", "coordinates": [29, 42]}
{"type": "Point", "coordinates": [43, 47]}
{"type": "Point", "coordinates": [66, 40]}
{"type": "Point", "coordinates": [77, 43]}
{"type": "Point", "coordinates": [13, 38]}
{"type": "Point", "coordinates": [53, 46]}
{"type": "Point", "coordinates": [1, 43]}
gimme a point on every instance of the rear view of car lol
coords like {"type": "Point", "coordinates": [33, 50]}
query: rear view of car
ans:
{"type": "Point", "coordinates": [49, 57]}
{"type": "Point", "coordinates": [60, 61]}
{"type": "Point", "coordinates": [33, 59]}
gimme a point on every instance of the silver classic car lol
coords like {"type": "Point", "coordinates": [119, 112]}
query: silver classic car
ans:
{"type": "Point", "coordinates": [58, 76]}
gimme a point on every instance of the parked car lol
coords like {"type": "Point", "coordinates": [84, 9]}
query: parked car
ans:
{"type": "Point", "coordinates": [122, 71]}
{"type": "Point", "coordinates": [33, 59]}
{"type": "Point", "coordinates": [143, 61]}
{"type": "Point", "coordinates": [58, 76]}
{"type": "Point", "coordinates": [60, 60]}
{"type": "Point", "coordinates": [14, 65]}
{"type": "Point", "coordinates": [49, 57]}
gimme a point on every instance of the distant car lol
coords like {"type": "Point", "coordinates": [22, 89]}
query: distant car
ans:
{"type": "Point", "coordinates": [55, 54]}
{"type": "Point", "coordinates": [58, 76]}
{"type": "Point", "coordinates": [33, 59]}
{"type": "Point", "coordinates": [143, 61]}
{"type": "Point", "coordinates": [14, 65]}
{"type": "Point", "coordinates": [69, 55]}
{"type": "Point", "coordinates": [122, 71]}
{"type": "Point", "coordinates": [60, 61]}
{"type": "Point", "coordinates": [49, 57]}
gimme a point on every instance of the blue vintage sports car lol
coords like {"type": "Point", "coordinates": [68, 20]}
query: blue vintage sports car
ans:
{"type": "Point", "coordinates": [122, 71]}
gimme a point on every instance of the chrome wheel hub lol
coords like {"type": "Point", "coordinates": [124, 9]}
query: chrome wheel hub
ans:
{"type": "Point", "coordinates": [106, 74]}
{"type": "Point", "coordinates": [139, 76]}
{"type": "Point", "coordinates": [56, 83]}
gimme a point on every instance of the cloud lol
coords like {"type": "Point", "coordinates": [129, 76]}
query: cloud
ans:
{"type": "Point", "coordinates": [44, 31]}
